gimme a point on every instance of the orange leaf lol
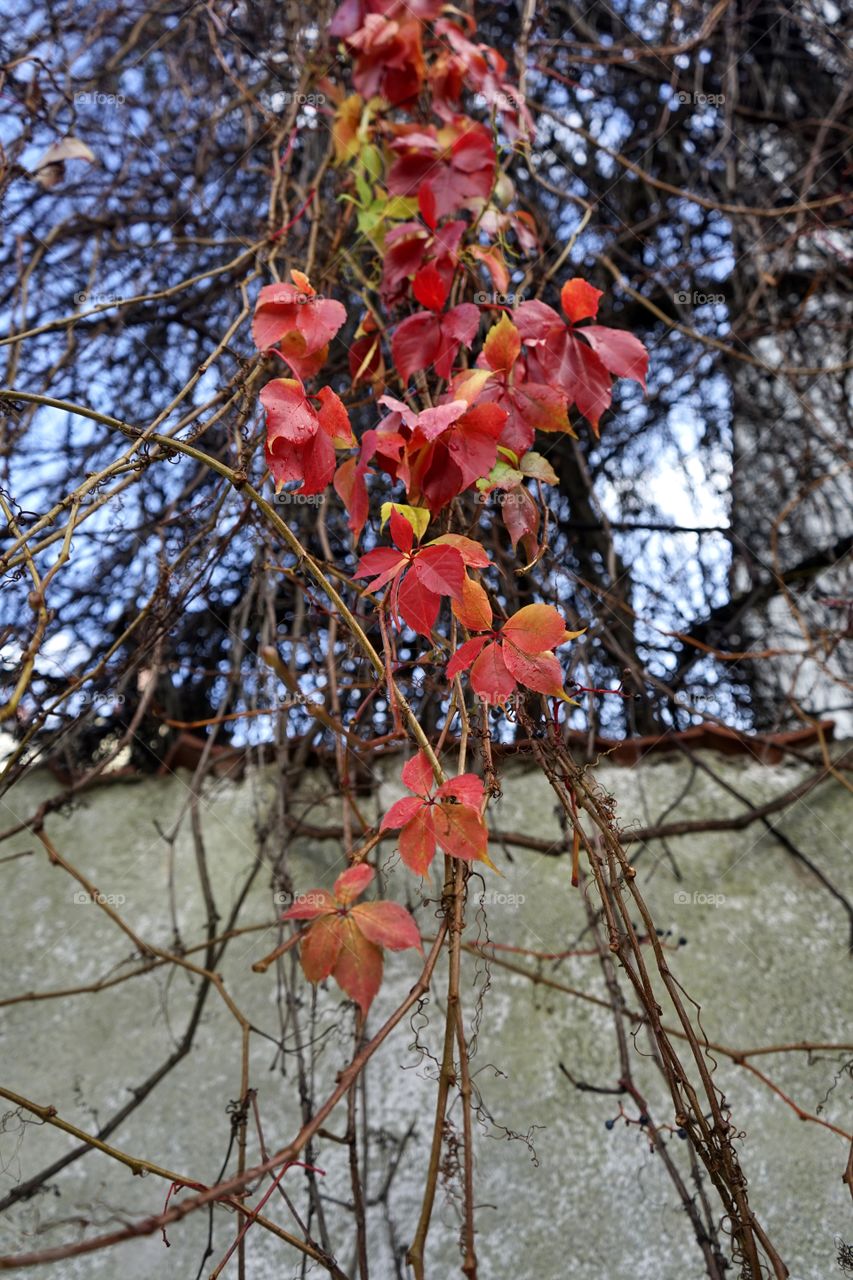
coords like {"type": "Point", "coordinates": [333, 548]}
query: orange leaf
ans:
{"type": "Point", "coordinates": [535, 628]}
{"type": "Point", "coordinates": [579, 299]}
{"type": "Point", "coordinates": [358, 971]}
{"type": "Point", "coordinates": [387, 924]}
{"type": "Point", "coordinates": [502, 345]}
{"type": "Point", "coordinates": [320, 948]}
{"type": "Point", "coordinates": [474, 610]}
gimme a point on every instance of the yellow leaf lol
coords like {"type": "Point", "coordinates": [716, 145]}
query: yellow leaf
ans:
{"type": "Point", "coordinates": [418, 517]}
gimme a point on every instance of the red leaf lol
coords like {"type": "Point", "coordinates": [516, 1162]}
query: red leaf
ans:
{"type": "Point", "coordinates": [417, 842]}
{"type": "Point", "coordinates": [619, 351]}
{"type": "Point", "coordinates": [405, 248]}
{"type": "Point", "coordinates": [425, 819]}
{"type": "Point", "coordinates": [467, 788]}
{"type": "Point", "coordinates": [288, 412]}
{"type": "Point", "coordinates": [473, 553]}
{"type": "Point", "coordinates": [426, 204]}
{"type": "Point", "coordinates": [467, 171]}
{"type": "Point", "coordinates": [458, 327]}
{"type": "Point", "coordinates": [521, 517]}
{"type": "Point", "coordinates": [291, 315]}
{"type": "Point", "coordinates": [415, 343]}
{"type": "Point", "coordinates": [417, 606]}
{"type": "Point", "coordinates": [494, 262]}
{"type": "Point", "coordinates": [296, 447]}
{"type": "Point", "coordinates": [418, 774]}
{"type": "Point", "coordinates": [351, 488]}
{"type": "Point", "coordinates": [402, 812]}
{"type": "Point", "coordinates": [543, 408]}
{"type": "Point", "coordinates": [387, 924]}
{"type": "Point", "coordinates": [462, 323]}
{"type": "Point", "coordinates": [575, 368]}
{"type": "Point", "coordinates": [465, 655]}
{"type": "Point", "coordinates": [334, 418]}
{"type": "Point", "coordinates": [579, 300]}
{"type": "Point", "coordinates": [383, 564]}
{"type": "Point", "coordinates": [474, 441]}
{"type": "Point", "coordinates": [539, 671]}
{"type": "Point", "coordinates": [401, 531]}
{"type": "Point", "coordinates": [307, 906]}
{"type": "Point", "coordinates": [430, 288]}
{"type": "Point", "coordinates": [490, 678]}
{"type": "Point", "coordinates": [352, 883]}
{"type": "Point", "coordinates": [432, 423]}
{"type": "Point", "coordinates": [579, 362]}
{"type": "Point", "coordinates": [536, 320]}
{"type": "Point", "coordinates": [442, 570]}
{"type": "Point", "coordinates": [390, 62]}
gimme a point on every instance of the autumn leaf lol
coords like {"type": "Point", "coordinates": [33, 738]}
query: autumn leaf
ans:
{"type": "Point", "coordinates": [429, 340]}
{"type": "Point", "coordinates": [296, 322]}
{"type": "Point", "coordinates": [457, 162]}
{"type": "Point", "coordinates": [530, 406]}
{"type": "Point", "coordinates": [50, 170]}
{"type": "Point", "coordinates": [430, 288]}
{"type": "Point", "coordinates": [448, 817]}
{"type": "Point", "coordinates": [366, 362]}
{"type": "Point", "coordinates": [301, 439]}
{"type": "Point", "coordinates": [579, 361]}
{"type": "Point", "coordinates": [518, 653]}
{"type": "Point", "coordinates": [389, 60]}
{"type": "Point", "coordinates": [345, 939]}
{"type": "Point", "coordinates": [418, 578]}
{"type": "Point", "coordinates": [409, 246]}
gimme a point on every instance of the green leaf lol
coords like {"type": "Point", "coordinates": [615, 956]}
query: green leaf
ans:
{"type": "Point", "coordinates": [401, 208]}
{"type": "Point", "coordinates": [364, 189]}
{"type": "Point", "coordinates": [501, 476]}
{"type": "Point", "coordinates": [371, 159]}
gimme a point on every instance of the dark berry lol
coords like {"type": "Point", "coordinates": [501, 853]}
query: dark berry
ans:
{"type": "Point", "coordinates": [681, 1133]}
{"type": "Point", "coordinates": [608, 1124]}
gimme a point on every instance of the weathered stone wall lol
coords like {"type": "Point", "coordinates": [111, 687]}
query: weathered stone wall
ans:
{"type": "Point", "coordinates": [765, 956]}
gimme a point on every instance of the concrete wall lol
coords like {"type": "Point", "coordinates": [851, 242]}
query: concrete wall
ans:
{"type": "Point", "coordinates": [559, 1194]}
